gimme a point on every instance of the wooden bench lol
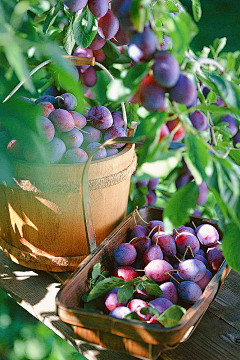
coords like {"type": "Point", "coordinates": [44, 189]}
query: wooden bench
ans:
{"type": "Point", "coordinates": [217, 337]}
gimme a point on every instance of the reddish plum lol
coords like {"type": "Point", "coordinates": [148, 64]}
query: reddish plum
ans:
{"type": "Point", "coordinates": [97, 44]}
{"type": "Point", "coordinates": [111, 302]}
{"type": "Point", "coordinates": [100, 154]}
{"type": "Point", "coordinates": [100, 117]}
{"type": "Point", "coordinates": [111, 152]}
{"type": "Point", "coordinates": [67, 101]}
{"type": "Point", "coordinates": [184, 240]}
{"type": "Point", "coordinates": [91, 134]}
{"type": "Point", "coordinates": [120, 312]}
{"type": "Point", "coordinates": [126, 273]}
{"type": "Point", "coordinates": [215, 258]}
{"type": "Point", "coordinates": [56, 149]}
{"type": "Point", "coordinates": [117, 119]}
{"type": "Point", "coordinates": [161, 304]}
{"type": "Point", "coordinates": [46, 128]}
{"type": "Point", "coordinates": [114, 132]}
{"type": "Point", "coordinates": [108, 25]}
{"type": "Point", "coordinates": [192, 270]}
{"type": "Point", "coordinates": [121, 37]}
{"type": "Point", "coordinates": [125, 254]}
{"type": "Point", "coordinates": [205, 280]}
{"type": "Point", "coordinates": [47, 108]}
{"type": "Point", "coordinates": [157, 270]}
{"type": "Point", "coordinates": [141, 243]}
{"type": "Point", "coordinates": [79, 120]}
{"type": "Point", "coordinates": [152, 253]}
{"type": "Point", "coordinates": [89, 77]}
{"type": "Point", "coordinates": [179, 133]}
{"type": "Point", "coordinates": [62, 120]}
{"type": "Point", "coordinates": [151, 94]}
{"type": "Point", "coordinates": [136, 305]}
{"type": "Point", "coordinates": [98, 7]}
{"type": "Point", "coordinates": [75, 5]}
{"type": "Point", "coordinates": [231, 123]}
{"type": "Point", "coordinates": [142, 45]}
{"type": "Point", "coordinates": [189, 291]}
{"type": "Point", "coordinates": [184, 92]}
{"type": "Point", "coordinates": [166, 69]}
{"type": "Point", "coordinates": [164, 132]}
{"type": "Point", "coordinates": [153, 183]}
{"type": "Point", "coordinates": [166, 242]}
{"type": "Point", "coordinates": [181, 229]}
{"type": "Point", "coordinates": [207, 234]}
{"type": "Point", "coordinates": [169, 290]}
{"type": "Point", "coordinates": [199, 120]}
{"type": "Point", "coordinates": [72, 139]}
{"type": "Point", "coordinates": [75, 156]}
{"type": "Point", "coordinates": [99, 55]}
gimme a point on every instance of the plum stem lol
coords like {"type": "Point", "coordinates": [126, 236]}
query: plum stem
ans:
{"type": "Point", "coordinates": [154, 228]}
{"type": "Point", "coordinates": [85, 132]}
{"type": "Point", "coordinates": [137, 212]}
{"type": "Point", "coordinates": [134, 218]}
{"type": "Point", "coordinates": [194, 225]}
{"type": "Point", "coordinates": [158, 234]}
{"type": "Point", "coordinates": [133, 239]}
{"type": "Point", "coordinates": [173, 278]}
{"type": "Point", "coordinates": [177, 258]}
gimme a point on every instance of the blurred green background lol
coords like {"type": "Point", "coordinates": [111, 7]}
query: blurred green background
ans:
{"type": "Point", "coordinates": [22, 337]}
{"type": "Point", "coordinates": [220, 18]}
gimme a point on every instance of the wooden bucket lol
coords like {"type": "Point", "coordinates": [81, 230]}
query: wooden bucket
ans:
{"type": "Point", "coordinates": [41, 218]}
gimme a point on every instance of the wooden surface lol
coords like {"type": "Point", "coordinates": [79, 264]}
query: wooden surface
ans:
{"type": "Point", "coordinates": [217, 337]}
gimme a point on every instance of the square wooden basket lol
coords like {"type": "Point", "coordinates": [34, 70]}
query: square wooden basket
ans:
{"type": "Point", "coordinates": [143, 340]}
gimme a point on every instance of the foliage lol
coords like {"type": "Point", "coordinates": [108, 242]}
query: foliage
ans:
{"type": "Point", "coordinates": [22, 337]}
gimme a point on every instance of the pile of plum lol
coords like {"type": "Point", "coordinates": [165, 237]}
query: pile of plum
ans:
{"type": "Point", "coordinates": [181, 264]}
{"type": "Point", "coordinates": [70, 136]}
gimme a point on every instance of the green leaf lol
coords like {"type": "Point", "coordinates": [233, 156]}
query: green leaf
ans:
{"type": "Point", "coordinates": [171, 316]}
{"type": "Point", "coordinates": [17, 62]}
{"type": "Point", "coordinates": [231, 246]}
{"type": "Point", "coordinates": [132, 316]}
{"type": "Point", "coordinates": [104, 287]}
{"type": "Point", "coordinates": [180, 206]}
{"type": "Point", "coordinates": [125, 293]}
{"type": "Point", "coordinates": [96, 271]}
{"type": "Point", "coordinates": [68, 38]}
{"type": "Point", "coordinates": [235, 155]}
{"type": "Point", "coordinates": [211, 97]}
{"type": "Point", "coordinates": [182, 30]}
{"type": "Point", "coordinates": [198, 155]}
{"type": "Point", "coordinates": [51, 16]}
{"type": "Point", "coordinates": [229, 92]}
{"type": "Point", "coordinates": [197, 10]}
{"type": "Point", "coordinates": [152, 289]}
{"type": "Point", "coordinates": [138, 14]}
{"type": "Point", "coordinates": [171, 7]}
{"type": "Point", "coordinates": [85, 28]}
{"type": "Point", "coordinates": [136, 74]}
{"type": "Point", "coordinates": [111, 50]}
{"type": "Point", "coordinates": [219, 45]}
